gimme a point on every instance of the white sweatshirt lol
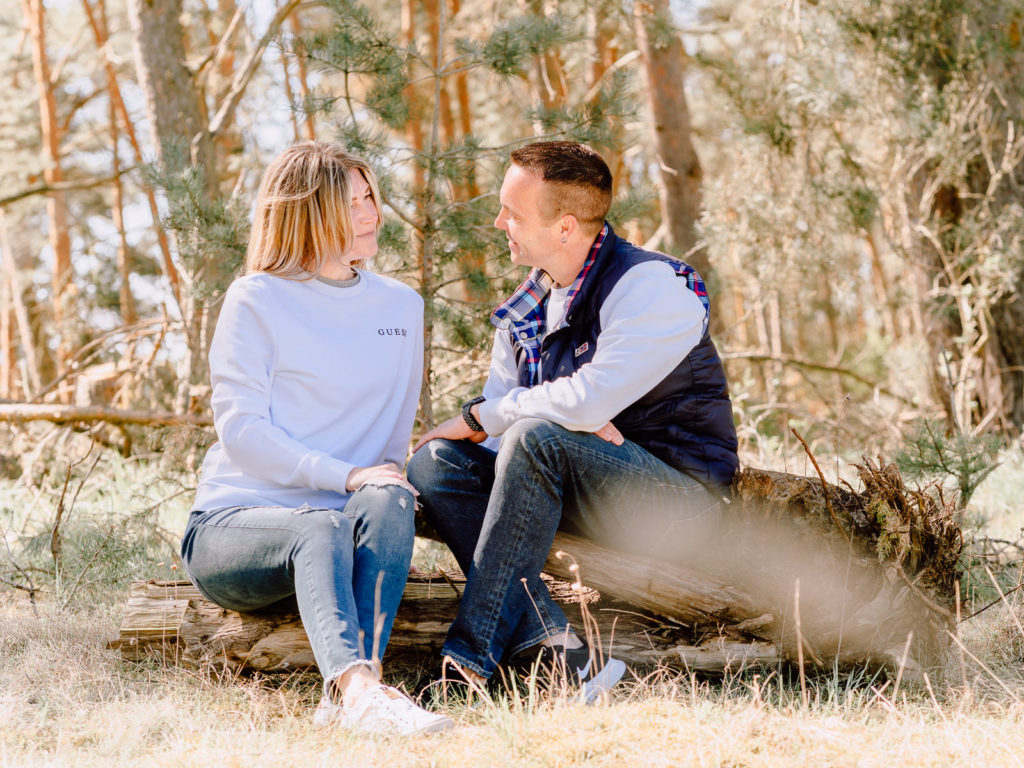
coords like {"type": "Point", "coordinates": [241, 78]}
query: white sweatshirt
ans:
{"type": "Point", "coordinates": [309, 380]}
{"type": "Point", "coordinates": [649, 322]}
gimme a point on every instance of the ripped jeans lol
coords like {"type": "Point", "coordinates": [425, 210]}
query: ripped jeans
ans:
{"type": "Point", "coordinates": [346, 568]}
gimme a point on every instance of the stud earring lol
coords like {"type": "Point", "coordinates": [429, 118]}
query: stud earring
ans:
{"type": "Point", "coordinates": [564, 240]}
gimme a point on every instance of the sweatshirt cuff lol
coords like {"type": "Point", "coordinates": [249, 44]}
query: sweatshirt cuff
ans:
{"type": "Point", "coordinates": [501, 413]}
{"type": "Point", "coordinates": [330, 474]}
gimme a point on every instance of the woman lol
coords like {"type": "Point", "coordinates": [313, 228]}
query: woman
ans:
{"type": "Point", "coordinates": [316, 368]}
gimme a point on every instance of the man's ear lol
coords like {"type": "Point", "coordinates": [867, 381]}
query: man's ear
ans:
{"type": "Point", "coordinates": [567, 226]}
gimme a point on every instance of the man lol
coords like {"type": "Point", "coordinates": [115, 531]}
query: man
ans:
{"type": "Point", "coordinates": [612, 407]}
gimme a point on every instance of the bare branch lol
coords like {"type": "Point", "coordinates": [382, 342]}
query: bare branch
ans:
{"type": "Point", "coordinates": [69, 414]}
{"type": "Point", "coordinates": [230, 103]}
{"type": "Point", "coordinates": [222, 44]}
{"type": "Point", "coordinates": [758, 357]}
{"type": "Point", "coordinates": [62, 186]}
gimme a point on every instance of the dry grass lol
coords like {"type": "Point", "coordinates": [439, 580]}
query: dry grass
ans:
{"type": "Point", "coordinates": [65, 700]}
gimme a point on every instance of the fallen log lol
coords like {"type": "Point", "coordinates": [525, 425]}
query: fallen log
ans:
{"type": "Point", "coordinates": [801, 569]}
{"type": "Point", "coordinates": [173, 621]}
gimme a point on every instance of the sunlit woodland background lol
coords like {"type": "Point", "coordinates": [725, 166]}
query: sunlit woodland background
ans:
{"type": "Point", "coordinates": [845, 174]}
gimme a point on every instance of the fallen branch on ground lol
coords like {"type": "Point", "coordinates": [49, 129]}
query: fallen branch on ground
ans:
{"type": "Point", "coordinates": [71, 414]}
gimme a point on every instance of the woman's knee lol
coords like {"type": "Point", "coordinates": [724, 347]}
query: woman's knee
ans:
{"type": "Point", "coordinates": [385, 508]}
{"type": "Point", "coordinates": [320, 524]}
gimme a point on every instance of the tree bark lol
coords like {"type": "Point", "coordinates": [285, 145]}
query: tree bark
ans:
{"type": "Point", "coordinates": [174, 106]}
{"type": "Point", "coordinates": [547, 82]}
{"type": "Point", "coordinates": [126, 300]}
{"type": "Point", "coordinates": [176, 112]}
{"type": "Point", "coordinates": [8, 360]}
{"type": "Point", "coordinates": [309, 124]}
{"type": "Point", "coordinates": [680, 170]}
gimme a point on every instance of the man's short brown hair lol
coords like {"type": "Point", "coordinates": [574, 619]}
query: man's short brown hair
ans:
{"type": "Point", "coordinates": [577, 178]}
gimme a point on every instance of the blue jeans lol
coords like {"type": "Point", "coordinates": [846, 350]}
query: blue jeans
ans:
{"type": "Point", "coordinates": [347, 568]}
{"type": "Point", "coordinates": [498, 513]}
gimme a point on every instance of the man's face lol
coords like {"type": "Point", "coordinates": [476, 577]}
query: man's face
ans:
{"type": "Point", "coordinates": [532, 240]}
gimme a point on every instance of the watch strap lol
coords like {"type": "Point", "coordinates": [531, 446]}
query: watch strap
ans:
{"type": "Point", "coordinates": [467, 414]}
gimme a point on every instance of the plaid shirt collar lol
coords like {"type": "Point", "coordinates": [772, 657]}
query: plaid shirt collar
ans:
{"type": "Point", "coordinates": [524, 311]}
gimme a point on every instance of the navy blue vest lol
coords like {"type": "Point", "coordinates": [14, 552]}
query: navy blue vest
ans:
{"type": "Point", "coordinates": [686, 419]}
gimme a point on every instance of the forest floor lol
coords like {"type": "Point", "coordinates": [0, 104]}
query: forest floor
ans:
{"type": "Point", "coordinates": [65, 699]}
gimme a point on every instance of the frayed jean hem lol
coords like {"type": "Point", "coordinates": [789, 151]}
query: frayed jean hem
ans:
{"type": "Point", "coordinates": [472, 666]}
{"type": "Point", "coordinates": [336, 675]}
{"type": "Point", "coordinates": [539, 638]}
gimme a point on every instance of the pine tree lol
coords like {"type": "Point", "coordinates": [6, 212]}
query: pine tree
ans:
{"type": "Point", "coordinates": [440, 186]}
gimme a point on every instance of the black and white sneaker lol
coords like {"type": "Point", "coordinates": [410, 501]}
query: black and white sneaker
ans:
{"type": "Point", "coordinates": [582, 667]}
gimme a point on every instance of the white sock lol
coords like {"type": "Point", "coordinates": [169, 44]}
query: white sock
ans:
{"type": "Point", "coordinates": [567, 639]}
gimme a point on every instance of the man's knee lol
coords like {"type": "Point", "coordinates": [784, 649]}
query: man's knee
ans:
{"type": "Point", "coordinates": [442, 461]}
{"type": "Point", "coordinates": [535, 436]}
{"type": "Point", "coordinates": [428, 464]}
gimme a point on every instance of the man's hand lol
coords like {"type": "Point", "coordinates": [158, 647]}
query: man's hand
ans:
{"type": "Point", "coordinates": [455, 428]}
{"type": "Point", "coordinates": [382, 474]}
{"type": "Point", "coordinates": [610, 433]}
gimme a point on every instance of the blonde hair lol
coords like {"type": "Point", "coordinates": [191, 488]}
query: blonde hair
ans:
{"type": "Point", "coordinates": [303, 212]}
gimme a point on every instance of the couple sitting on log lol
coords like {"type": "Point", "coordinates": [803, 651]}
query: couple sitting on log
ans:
{"type": "Point", "coordinates": [606, 413]}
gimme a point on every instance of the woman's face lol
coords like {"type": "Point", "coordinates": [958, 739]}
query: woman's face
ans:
{"type": "Point", "coordinates": [364, 222]}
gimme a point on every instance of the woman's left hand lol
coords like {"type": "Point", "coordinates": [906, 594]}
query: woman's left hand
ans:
{"type": "Point", "coordinates": [381, 474]}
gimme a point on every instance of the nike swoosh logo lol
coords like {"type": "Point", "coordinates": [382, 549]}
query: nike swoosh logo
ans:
{"type": "Point", "coordinates": [581, 674]}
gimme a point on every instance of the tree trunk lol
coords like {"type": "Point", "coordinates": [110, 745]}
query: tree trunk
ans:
{"type": "Point", "coordinates": [8, 360]}
{"type": "Point", "coordinates": [177, 117]}
{"type": "Point", "coordinates": [126, 300]}
{"type": "Point", "coordinates": [174, 106]}
{"type": "Point", "coordinates": [56, 204]}
{"type": "Point", "coordinates": [1008, 353]}
{"type": "Point", "coordinates": [548, 85]}
{"type": "Point", "coordinates": [166, 263]}
{"type": "Point", "coordinates": [308, 124]}
{"type": "Point", "coordinates": [290, 95]}
{"type": "Point", "coordinates": [31, 381]}
{"type": "Point", "coordinates": [680, 171]}
{"type": "Point", "coordinates": [71, 414]}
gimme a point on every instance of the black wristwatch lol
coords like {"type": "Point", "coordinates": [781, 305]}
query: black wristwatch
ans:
{"type": "Point", "coordinates": [467, 414]}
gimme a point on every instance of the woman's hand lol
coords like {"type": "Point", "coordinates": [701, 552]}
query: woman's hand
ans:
{"type": "Point", "coordinates": [382, 474]}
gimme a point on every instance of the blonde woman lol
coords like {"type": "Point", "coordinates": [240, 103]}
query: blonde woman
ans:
{"type": "Point", "coordinates": [316, 367]}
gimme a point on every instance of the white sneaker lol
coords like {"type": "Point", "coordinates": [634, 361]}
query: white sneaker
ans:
{"type": "Point", "coordinates": [382, 709]}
